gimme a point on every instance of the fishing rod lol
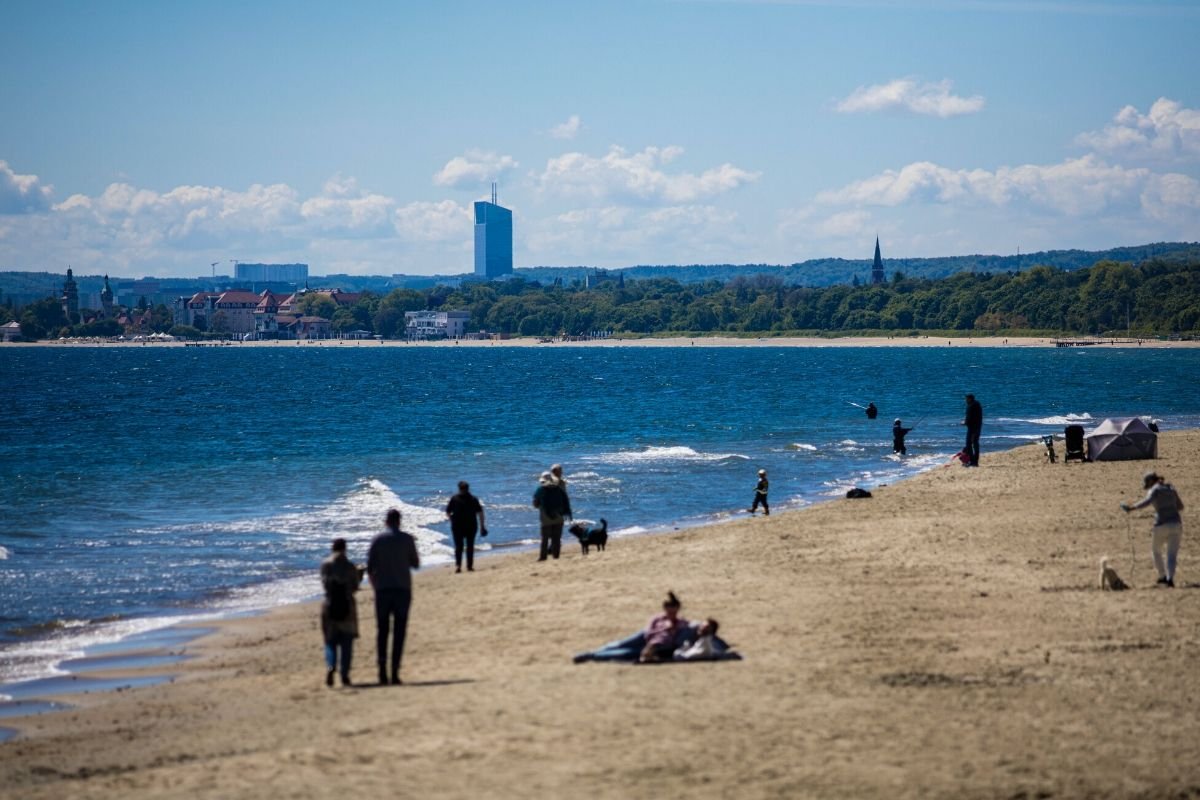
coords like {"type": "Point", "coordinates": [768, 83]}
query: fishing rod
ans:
{"type": "Point", "coordinates": [856, 405]}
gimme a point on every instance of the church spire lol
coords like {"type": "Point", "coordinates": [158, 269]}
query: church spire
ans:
{"type": "Point", "coordinates": [877, 276]}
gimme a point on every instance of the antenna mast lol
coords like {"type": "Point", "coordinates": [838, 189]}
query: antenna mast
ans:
{"type": "Point", "coordinates": [494, 193]}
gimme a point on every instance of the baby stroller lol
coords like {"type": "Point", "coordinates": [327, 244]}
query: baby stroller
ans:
{"type": "Point", "coordinates": [1074, 444]}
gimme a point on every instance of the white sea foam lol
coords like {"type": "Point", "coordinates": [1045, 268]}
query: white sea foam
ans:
{"type": "Point", "coordinates": [1067, 419]}
{"type": "Point", "coordinates": [40, 658]}
{"type": "Point", "coordinates": [658, 454]}
{"type": "Point", "coordinates": [811, 448]}
{"type": "Point", "coordinates": [3, 553]}
{"type": "Point", "coordinates": [356, 517]}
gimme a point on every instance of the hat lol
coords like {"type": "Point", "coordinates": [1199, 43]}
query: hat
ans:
{"type": "Point", "coordinates": [762, 472]}
{"type": "Point", "coordinates": [546, 478]}
{"type": "Point", "coordinates": [897, 422]}
{"type": "Point", "coordinates": [1150, 477]}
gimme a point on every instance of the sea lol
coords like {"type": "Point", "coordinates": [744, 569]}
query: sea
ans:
{"type": "Point", "coordinates": [141, 487]}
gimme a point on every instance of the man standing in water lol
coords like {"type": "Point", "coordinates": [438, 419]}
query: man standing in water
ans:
{"type": "Point", "coordinates": [872, 411]}
{"type": "Point", "coordinates": [390, 561]}
{"type": "Point", "coordinates": [974, 422]}
{"type": "Point", "coordinates": [760, 494]}
{"type": "Point", "coordinates": [898, 434]}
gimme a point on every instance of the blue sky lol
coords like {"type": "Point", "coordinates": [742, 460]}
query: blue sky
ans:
{"type": "Point", "coordinates": [144, 138]}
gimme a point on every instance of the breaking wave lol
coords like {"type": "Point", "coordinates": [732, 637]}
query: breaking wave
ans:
{"type": "Point", "coordinates": [1067, 419]}
{"type": "Point", "coordinates": [652, 454]}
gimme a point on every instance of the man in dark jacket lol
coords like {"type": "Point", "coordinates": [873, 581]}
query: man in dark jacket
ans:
{"type": "Point", "coordinates": [898, 434]}
{"type": "Point", "coordinates": [463, 510]}
{"type": "Point", "coordinates": [974, 422]}
{"type": "Point", "coordinates": [553, 505]}
{"type": "Point", "coordinates": [390, 561]}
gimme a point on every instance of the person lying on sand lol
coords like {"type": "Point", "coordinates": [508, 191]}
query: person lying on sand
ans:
{"type": "Point", "coordinates": [704, 647]}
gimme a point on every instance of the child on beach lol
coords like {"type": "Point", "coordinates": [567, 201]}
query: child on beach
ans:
{"type": "Point", "coordinates": [760, 494]}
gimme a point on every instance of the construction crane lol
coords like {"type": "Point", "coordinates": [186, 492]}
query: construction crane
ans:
{"type": "Point", "coordinates": [214, 269]}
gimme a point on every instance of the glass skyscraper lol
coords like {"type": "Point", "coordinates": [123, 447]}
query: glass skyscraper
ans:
{"type": "Point", "coordinates": [493, 239]}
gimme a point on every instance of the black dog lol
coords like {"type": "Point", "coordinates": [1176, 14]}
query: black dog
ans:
{"type": "Point", "coordinates": [590, 537]}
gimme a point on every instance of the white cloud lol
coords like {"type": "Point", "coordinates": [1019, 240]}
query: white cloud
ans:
{"type": "Point", "coordinates": [616, 235]}
{"type": "Point", "coordinates": [20, 194]}
{"type": "Point", "coordinates": [636, 177]}
{"type": "Point", "coordinates": [444, 221]}
{"type": "Point", "coordinates": [569, 129]}
{"type": "Point", "coordinates": [126, 228]}
{"type": "Point", "coordinates": [473, 169]}
{"type": "Point", "coordinates": [1074, 187]}
{"type": "Point", "coordinates": [1167, 132]}
{"type": "Point", "coordinates": [906, 94]}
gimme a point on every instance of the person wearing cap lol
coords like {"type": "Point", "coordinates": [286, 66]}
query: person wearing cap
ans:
{"type": "Point", "coordinates": [1168, 524]}
{"type": "Point", "coordinates": [339, 612]}
{"type": "Point", "coordinates": [553, 505]}
{"type": "Point", "coordinates": [760, 494]}
{"type": "Point", "coordinates": [898, 434]}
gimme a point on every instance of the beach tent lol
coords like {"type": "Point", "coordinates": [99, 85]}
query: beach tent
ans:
{"type": "Point", "coordinates": [1122, 440]}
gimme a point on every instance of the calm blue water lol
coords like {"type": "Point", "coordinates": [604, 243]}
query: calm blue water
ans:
{"type": "Point", "coordinates": [143, 485]}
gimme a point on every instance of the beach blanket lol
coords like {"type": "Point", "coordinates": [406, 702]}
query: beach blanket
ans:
{"type": "Point", "coordinates": [628, 649]}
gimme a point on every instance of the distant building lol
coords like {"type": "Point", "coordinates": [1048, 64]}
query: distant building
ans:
{"type": "Point", "coordinates": [877, 276]}
{"type": "Point", "coordinates": [219, 312]}
{"type": "Point", "coordinates": [70, 298]}
{"type": "Point", "coordinates": [493, 239]}
{"type": "Point", "coordinates": [270, 273]}
{"type": "Point", "coordinates": [106, 301]}
{"type": "Point", "coordinates": [599, 276]}
{"type": "Point", "coordinates": [10, 331]}
{"type": "Point", "coordinates": [419, 325]}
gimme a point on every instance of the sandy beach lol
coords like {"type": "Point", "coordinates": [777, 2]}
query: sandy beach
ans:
{"type": "Point", "coordinates": [945, 638]}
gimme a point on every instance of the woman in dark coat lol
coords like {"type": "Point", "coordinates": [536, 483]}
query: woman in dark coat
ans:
{"type": "Point", "coordinates": [339, 612]}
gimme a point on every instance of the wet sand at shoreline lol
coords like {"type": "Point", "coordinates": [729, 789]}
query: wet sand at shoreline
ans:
{"type": "Point", "coordinates": [944, 638]}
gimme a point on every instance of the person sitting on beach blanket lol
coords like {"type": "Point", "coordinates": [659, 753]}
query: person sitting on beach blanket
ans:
{"type": "Point", "coordinates": [630, 649]}
{"type": "Point", "coordinates": [663, 632]}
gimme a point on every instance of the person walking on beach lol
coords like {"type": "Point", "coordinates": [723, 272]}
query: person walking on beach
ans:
{"type": "Point", "coordinates": [339, 612]}
{"type": "Point", "coordinates": [553, 506]}
{"type": "Point", "coordinates": [760, 494]}
{"type": "Point", "coordinates": [974, 422]}
{"type": "Point", "coordinates": [390, 561]}
{"type": "Point", "coordinates": [898, 434]}
{"type": "Point", "coordinates": [1168, 524]}
{"type": "Point", "coordinates": [464, 509]}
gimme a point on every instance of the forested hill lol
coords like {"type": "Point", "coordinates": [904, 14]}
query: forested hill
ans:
{"type": "Point", "coordinates": [833, 271]}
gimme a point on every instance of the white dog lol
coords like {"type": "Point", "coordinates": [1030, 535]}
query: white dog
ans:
{"type": "Point", "coordinates": [1109, 579]}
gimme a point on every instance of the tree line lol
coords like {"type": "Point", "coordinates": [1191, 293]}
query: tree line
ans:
{"type": "Point", "coordinates": [1153, 298]}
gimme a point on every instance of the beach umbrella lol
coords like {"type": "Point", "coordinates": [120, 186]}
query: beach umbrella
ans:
{"type": "Point", "coordinates": [1122, 440]}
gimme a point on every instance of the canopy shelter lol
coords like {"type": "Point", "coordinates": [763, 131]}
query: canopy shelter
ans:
{"type": "Point", "coordinates": [1122, 440]}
